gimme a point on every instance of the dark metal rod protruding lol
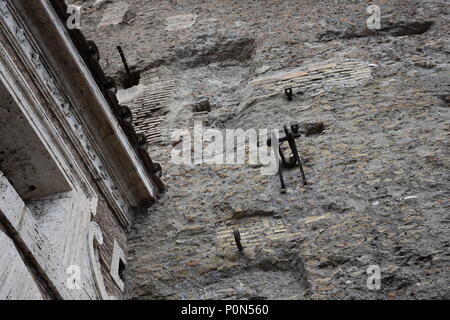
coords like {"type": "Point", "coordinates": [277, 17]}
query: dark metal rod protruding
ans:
{"type": "Point", "coordinates": [293, 146]}
{"type": "Point", "coordinates": [237, 239]}
{"type": "Point", "coordinates": [124, 60]}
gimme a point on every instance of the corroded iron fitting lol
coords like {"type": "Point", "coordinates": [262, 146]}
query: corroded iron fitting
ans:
{"type": "Point", "coordinates": [237, 239]}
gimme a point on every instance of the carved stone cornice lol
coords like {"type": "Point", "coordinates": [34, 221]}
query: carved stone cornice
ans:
{"type": "Point", "coordinates": [30, 55]}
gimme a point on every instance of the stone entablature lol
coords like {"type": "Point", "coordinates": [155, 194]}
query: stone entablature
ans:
{"type": "Point", "coordinates": [72, 178]}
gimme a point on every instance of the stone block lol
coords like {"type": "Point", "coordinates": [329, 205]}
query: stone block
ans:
{"type": "Point", "coordinates": [115, 14]}
{"type": "Point", "coordinates": [179, 22]}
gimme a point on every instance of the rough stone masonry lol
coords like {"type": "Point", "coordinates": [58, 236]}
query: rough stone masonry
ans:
{"type": "Point", "coordinates": [378, 169]}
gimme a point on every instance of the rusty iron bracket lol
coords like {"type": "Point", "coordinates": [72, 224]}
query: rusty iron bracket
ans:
{"type": "Point", "coordinates": [291, 140]}
{"type": "Point", "coordinates": [290, 136]}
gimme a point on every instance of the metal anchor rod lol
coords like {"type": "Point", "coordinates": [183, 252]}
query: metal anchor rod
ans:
{"type": "Point", "coordinates": [293, 146]}
{"type": "Point", "coordinates": [124, 60]}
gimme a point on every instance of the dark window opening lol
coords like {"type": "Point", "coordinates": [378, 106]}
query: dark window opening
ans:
{"type": "Point", "coordinates": [121, 269]}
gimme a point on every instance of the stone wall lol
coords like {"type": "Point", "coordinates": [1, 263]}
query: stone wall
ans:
{"type": "Point", "coordinates": [377, 172]}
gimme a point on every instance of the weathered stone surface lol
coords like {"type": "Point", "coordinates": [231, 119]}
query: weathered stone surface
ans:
{"type": "Point", "coordinates": [180, 22]}
{"type": "Point", "coordinates": [381, 98]}
{"type": "Point", "coordinates": [116, 13]}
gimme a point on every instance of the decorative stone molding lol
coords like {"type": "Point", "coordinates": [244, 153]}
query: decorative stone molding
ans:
{"type": "Point", "coordinates": [118, 255]}
{"type": "Point", "coordinates": [95, 239]}
{"type": "Point", "coordinates": [62, 107]}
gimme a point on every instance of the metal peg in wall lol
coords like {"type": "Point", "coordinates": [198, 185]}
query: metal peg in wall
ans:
{"type": "Point", "coordinates": [237, 239]}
